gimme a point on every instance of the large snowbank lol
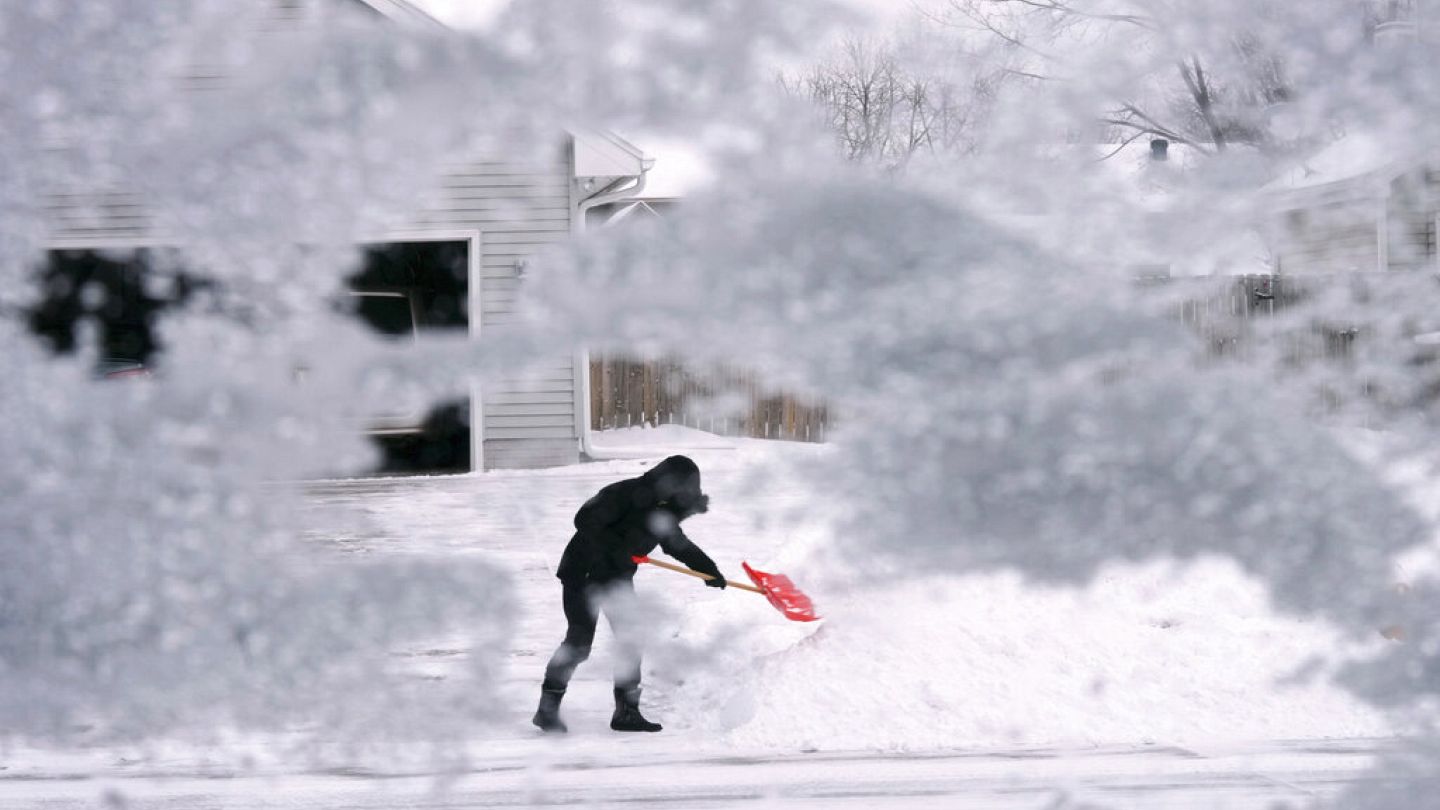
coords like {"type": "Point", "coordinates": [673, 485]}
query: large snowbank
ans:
{"type": "Point", "coordinates": [1157, 653]}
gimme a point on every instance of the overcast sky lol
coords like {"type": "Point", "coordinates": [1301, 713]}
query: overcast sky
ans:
{"type": "Point", "coordinates": [462, 13]}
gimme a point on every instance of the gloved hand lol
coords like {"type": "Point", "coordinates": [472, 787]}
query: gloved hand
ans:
{"type": "Point", "coordinates": [718, 581]}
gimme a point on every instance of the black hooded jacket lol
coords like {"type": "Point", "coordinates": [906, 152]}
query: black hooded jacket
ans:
{"type": "Point", "coordinates": [630, 518]}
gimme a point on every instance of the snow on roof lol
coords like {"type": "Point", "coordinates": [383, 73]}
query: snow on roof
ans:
{"type": "Point", "coordinates": [1124, 171]}
{"type": "Point", "coordinates": [1131, 169]}
{"type": "Point", "coordinates": [1355, 155]}
{"type": "Point", "coordinates": [682, 167]}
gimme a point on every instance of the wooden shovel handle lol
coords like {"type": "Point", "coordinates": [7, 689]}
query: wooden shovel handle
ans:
{"type": "Point", "coordinates": [680, 569]}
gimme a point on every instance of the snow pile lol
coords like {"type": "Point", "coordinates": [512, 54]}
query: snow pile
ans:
{"type": "Point", "coordinates": [1171, 652]}
{"type": "Point", "coordinates": [1156, 653]}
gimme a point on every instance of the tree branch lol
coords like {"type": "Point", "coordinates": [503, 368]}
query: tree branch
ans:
{"type": "Point", "coordinates": [1069, 10]}
{"type": "Point", "coordinates": [1194, 77]}
{"type": "Point", "coordinates": [1138, 135]}
{"type": "Point", "coordinates": [1152, 127]}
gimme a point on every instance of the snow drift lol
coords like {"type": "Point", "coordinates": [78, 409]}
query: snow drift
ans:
{"type": "Point", "coordinates": [1161, 653]}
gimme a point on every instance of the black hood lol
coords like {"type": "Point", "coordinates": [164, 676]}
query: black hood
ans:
{"type": "Point", "coordinates": [676, 482]}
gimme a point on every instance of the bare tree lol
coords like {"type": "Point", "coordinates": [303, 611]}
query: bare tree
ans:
{"type": "Point", "coordinates": [884, 112]}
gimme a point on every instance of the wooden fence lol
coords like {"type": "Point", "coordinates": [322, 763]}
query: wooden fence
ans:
{"type": "Point", "coordinates": [726, 401]}
{"type": "Point", "coordinates": [1222, 312]}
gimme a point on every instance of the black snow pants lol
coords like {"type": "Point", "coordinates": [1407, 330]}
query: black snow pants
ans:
{"type": "Point", "coordinates": [583, 602]}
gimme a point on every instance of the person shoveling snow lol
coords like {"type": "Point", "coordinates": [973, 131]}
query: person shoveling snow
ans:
{"type": "Point", "coordinates": [624, 520]}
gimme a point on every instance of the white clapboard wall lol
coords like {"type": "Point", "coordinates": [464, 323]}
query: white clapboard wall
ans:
{"type": "Point", "coordinates": [1328, 229]}
{"type": "Point", "coordinates": [519, 209]}
{"type": "Point", "coordinates": [1380, 220]}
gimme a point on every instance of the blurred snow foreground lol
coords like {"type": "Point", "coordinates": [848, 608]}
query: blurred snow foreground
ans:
{"type": "Point", "coordinates": [1010, 402]}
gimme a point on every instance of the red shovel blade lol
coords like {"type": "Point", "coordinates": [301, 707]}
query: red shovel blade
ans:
{"type": "Point", "coordinates": [783, 594]}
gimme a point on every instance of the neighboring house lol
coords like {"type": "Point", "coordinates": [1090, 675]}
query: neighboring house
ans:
{"type": "Point", "coordinates": [1355, 207]}
{"type": "Point", "coordinates": [1360, 204]}
{"type": "Point", "coordinates": [456, 263]}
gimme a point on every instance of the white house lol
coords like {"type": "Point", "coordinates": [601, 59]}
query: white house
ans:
{"type": "Point", "coordinates": [490, 213]}
{"type": "Point", "coordinates": [1366, 202]}
{"type": "Point", "coordinates": [1355, 206]}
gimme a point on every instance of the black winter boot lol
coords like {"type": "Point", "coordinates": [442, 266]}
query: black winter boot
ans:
{"type": "Point", "coordinates": [547, 717]}
{"type": "Point", "coordinates": [627, 712]}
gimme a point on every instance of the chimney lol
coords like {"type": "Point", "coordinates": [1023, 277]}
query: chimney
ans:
{"type": "Point", "coordinates": [1159, 150]}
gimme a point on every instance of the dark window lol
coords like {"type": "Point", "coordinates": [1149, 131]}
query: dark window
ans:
{"type": "Point", "coordinates": [121, 293]}
{"type": "Point", "coordinates": [389, 313]}
{"type": "Point", "coordinates": [433, 275]}
{"type": "Point", "coordinates": [403, 288]}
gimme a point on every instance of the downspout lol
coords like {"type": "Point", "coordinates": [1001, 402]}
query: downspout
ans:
{"type": "Point", "coordinates": [582, 356]}
{"type": "Point", "coordinates": [605, 195]}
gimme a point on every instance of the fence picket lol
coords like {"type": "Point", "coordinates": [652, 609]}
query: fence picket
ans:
{"type": "Point", "coordinates": [632, 392]}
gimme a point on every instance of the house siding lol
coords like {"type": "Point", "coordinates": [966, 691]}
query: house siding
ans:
{"type": "Point", "coordinates": [76, 218]}
{"type": "Point", "coordinates": [1384, 220]}
{"type": "Point", "coordinates": [1410, 213]}
{"type": "Point", "coordinates": [1333, 229]}
{"type": "Point", "coordinates": [518, 208]}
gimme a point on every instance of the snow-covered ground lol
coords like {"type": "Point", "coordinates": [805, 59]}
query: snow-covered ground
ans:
{"type": "Point", "coordinates": [1175, 653]}
{"type": "Point", "coordinates": [1158, 685]}
{"type": "Point", "coordinates": [676, 773]}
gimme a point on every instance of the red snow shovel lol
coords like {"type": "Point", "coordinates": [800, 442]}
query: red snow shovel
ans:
{"type": "Point", "coordinates": [777, 588]}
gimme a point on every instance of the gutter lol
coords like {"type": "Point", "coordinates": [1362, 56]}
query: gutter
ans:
{"type": "Point", "coordinates": [606, 195]}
